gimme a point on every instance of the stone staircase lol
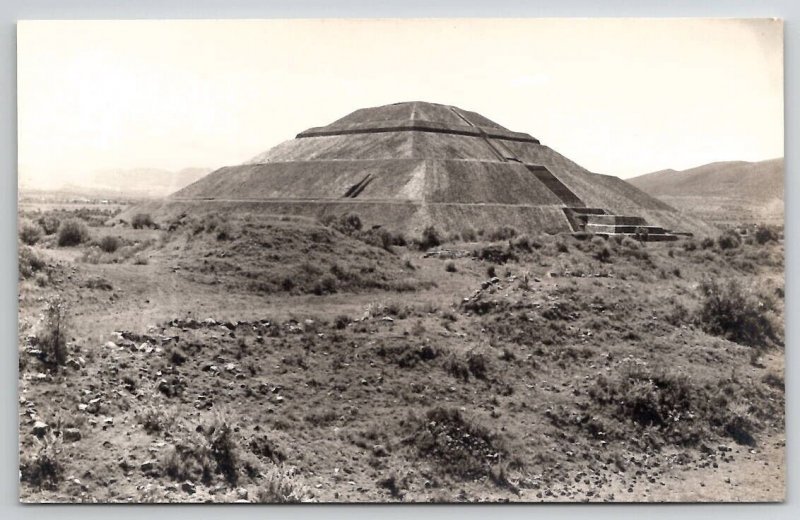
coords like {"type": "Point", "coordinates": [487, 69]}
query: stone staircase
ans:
{"type": "Point", "coordinates": [599, 222]}
{"type": "Point", "coordinates": [556, 186]}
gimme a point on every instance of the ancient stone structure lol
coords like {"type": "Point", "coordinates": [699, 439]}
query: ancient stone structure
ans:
{"type": "Point", "coordinates": [407, 165]}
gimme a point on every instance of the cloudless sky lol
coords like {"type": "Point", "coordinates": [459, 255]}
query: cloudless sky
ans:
{"type": "Point", "coordinates": [623, 97]}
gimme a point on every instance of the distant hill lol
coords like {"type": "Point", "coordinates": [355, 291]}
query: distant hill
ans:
{"type": "Point", "coordinates": [730, 191]}
{"type": "Point", "coordinates": [141, 182]}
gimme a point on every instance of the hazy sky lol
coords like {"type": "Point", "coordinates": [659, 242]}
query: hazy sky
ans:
{"type": "Point", "coordinates": [623, 97]}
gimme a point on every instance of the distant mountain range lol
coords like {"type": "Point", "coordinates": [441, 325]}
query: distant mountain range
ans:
{"type": "Point", "coordinates": [730, 191]}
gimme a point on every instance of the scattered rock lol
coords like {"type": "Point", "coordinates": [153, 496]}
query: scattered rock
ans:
{"type": "Point", "coordinates": [40, 428]}
{"type": "Point", "coordinates": [149, 466]}
{"type": "Point", "coordinates": [71, 434]}
{"type": "Point", "coordinates": [379, 450]}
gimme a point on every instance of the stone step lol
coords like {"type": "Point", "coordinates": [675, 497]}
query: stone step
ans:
{"type": "Point", "coordinates": [609, 228]}
{"type": "Point", "coordinates": [615, 220]}
{"type": "Point", "coordinates": [658, 237]}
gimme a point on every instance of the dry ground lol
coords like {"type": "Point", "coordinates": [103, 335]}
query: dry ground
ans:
{"type": "Point", "coordinates": [270, 359]}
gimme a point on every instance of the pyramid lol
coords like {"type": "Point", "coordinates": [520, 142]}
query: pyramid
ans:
{"type": "Point", "coordinates": [408, 165]}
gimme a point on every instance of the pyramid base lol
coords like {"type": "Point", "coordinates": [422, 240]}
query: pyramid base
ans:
{"type": "Point", "coordinates": [408, 217]}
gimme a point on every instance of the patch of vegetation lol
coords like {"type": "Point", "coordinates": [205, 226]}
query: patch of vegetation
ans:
{"type": "Point", "coordinates": [408, 357]}
{"type": "Point", "coordinates": [765, 234]}
{"type": "Point", "coordinates": [672, 407]}
{"type": "Point", "coordinates": [496, 254]}
{"type": "Point", "coordinates": [469, 234]}
{"type": "Point", "coordinates": [43, 470]}
{"type": "Point", "coordinates": [142, 221]}
{"type": "Point", "coordinates": [210, 450]}
{"type": "Point", "coordinates": [462, 367]}
{"type": "Point", "coordinates": [98, 283]}
{"type": "Point", "coordinates": [109, 244]}
{"type": "Point", "coordinates": [502, 233]}
{"type": "Point", "coordinates": [49, 223]}
{"type": "Point", "coordinates": [431, 237]}
{"type": "Point", "coordinates": [730, 239]}
{"type": "Point", "coordinates": [53, 336]}
{"type": "Point", "coordinates": [728, 311]}
{"type": "Point", "coordinates": [283, 485]}
{"type": "Point", "coordinates": [72, 232]}
{"type": "Point", "coordinates": [29, 262]}
{"type": "Point", "coordinates": [124, 252]}
{"type": "Point", "coordinates": [29, 232]}
{"type": "Point", "coordinates": [459, 446]}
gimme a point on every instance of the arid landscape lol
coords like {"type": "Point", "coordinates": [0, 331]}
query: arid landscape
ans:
{"type": "Point", "coordinates": [401, 260]}
{"type": "Point", "coordinates": [267, 358]}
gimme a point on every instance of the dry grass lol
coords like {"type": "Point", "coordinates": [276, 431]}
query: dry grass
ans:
{"type": "Point", "coordinates": [563, 369]}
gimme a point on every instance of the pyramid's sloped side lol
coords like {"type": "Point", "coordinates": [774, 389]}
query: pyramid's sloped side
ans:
{"type": "Point", "coordinates": [379, 179]}
{"type": "Point", "coordinates": [472, 182]}
{"type": "Point", "coordinates": [394, 112]}
{"type": "Point", "coordinates": [608, 192]}
{"type": "Point", "coordinates": [434, 181]}
{"type": "Point", "coordinates": [596, 191]}
{"type": "Point", "coordinates": [385, 145]}
{"type": "Point", "coordinates": [479, 120]}
{"type": "Point", "coordinates": [409, 217]}
{"type": "Point", "coordinates": [413, 111]}
{"type": "Point", "coordinates": [451, 147]}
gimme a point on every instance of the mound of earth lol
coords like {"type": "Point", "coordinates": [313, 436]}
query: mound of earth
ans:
{"type": "Point", "coordinates": [281, 255]}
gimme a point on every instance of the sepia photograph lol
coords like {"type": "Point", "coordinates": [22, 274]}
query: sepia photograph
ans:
{"type": "Point", "coordinates": [445, 260]}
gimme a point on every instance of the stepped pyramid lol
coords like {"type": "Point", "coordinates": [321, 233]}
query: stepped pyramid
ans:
{"type": "Point", "coordinates": [406, 165]}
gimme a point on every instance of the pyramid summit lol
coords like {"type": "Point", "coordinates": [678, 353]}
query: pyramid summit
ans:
{"type": "Point", "coordinates": [408, 165]}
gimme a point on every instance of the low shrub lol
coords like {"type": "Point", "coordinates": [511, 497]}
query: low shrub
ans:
{"type": "Point", "coordinates": [765, 234]}
{"type": "Point", "coordinates": [341, 321]}
{"type": "Point", "coordinates": [225, 452]}
{"type": "Point", "coordinates": [29, 233]}
{"type": "Point", "coordinates": [727, 310]}
{"type": "Point", "coordinates": [72, 232]}
{"type": "Point", "coordinates": [430, 238]}
{"type": "Point", "coordinates": [524, 243]}
{"type": "Point", "coordinates": [49, 223]}
{"type": "Point", "coordinates": [142, 221]}
{"type": "Point", "coordinates": [729, 240]}
{"type": "Point", "coordinates": [601, 250]}
{"type": "Point", "coordinates": [283, 485]}
{"type": "Point", "coordinates": [497, 254]}
{"type": "Point", "coordinates": [503, 233]}
{"type": "Point", "coordinates": [326, 285]}
{"type": "Point", "coordinates": [224, 232]}
{"type": "Point", "coordinates": [29, 262]}
{"type": "Point", "coordinates": [469, 234]}
{"type": "Point", "coordinates": [460, 446]}
{"type": "Point", "coordinates": [450, 267]}
{"type": "Point", "coordinates": [43, 470]}
{"type": "Point", "coordinates": [109, 243]}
